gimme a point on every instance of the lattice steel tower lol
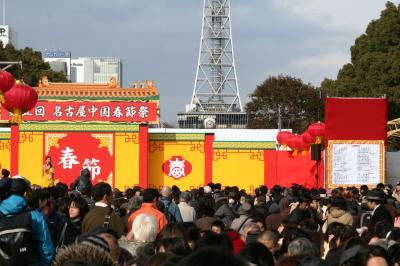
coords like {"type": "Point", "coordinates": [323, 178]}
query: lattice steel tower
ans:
{"type": "Point", "coordinates": [215, 101]}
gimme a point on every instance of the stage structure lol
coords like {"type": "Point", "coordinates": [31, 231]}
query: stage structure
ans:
{"type": "Point", "coordinates": [215, 101]}
{"type": "Point", "coordinates": [109, 130]}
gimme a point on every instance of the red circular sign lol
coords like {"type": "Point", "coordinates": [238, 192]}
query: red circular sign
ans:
{"type": "Point", "coordinates": [177, 167]}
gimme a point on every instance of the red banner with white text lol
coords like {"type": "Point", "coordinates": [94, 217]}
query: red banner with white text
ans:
{"type": "Point", "coordinates": [71, 152]}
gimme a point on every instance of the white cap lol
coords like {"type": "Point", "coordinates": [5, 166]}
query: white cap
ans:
{"type": "Point", "coordinates": [207, 189]}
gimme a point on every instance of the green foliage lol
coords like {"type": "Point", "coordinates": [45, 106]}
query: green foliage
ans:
{"type": "Point", "coordinates": [298, 103]}
{"type": "Point", "coordinates": [374, 70]}
{"type": "Point", "coordinates": [33, 67]}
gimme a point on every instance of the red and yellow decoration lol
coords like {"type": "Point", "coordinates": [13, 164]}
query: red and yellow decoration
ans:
{"type": "Point", "coordinates": [301, 143]}
{"type": "Point", "coordinates": [19, 99]}
{"type": "Point", "coordinates": [6, 83]}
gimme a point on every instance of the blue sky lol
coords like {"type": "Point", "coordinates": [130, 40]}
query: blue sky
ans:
{"type": "Point", "coordinates": [159, 39]}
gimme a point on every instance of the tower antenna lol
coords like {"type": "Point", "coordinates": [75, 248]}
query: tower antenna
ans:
{"type": "Point", "coordinates": [215, 101]}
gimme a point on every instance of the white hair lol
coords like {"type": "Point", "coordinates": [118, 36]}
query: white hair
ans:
{"type": "Point", "coordinates": [144, 228]}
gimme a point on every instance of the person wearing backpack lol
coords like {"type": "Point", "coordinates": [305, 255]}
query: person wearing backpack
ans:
{"type": "Point", "coordinates": [171, 210]}
{"type": "Point", "coordinates": [102, 215]}
{"type": "Point", "coordinates": [35, 246]}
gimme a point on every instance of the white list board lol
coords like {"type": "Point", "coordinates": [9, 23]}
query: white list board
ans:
{"type": "Point", "coordinates": [356, 163]}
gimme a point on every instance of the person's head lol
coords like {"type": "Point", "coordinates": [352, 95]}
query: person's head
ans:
{"type": "Point", "coordinates": [166, 192]}
{"type": "Point", "coordinates": [48, 160]}
{"type": "Point", "coordinates": [339, 202]}
{"type": "Point", "coordinates": [5, 172]}
{"type": "Point", "coordinates": [174, 245]}
{"type": "Point", "coordinates": [304, 202]}
{"type": "Point", "coordinates": [397, 188]}
{"type": "Point", "coordinates": [301, 246]}
{"type": "Point", "coordinates": [217, 227]}
{"type": "Point", "coordinates": [211, 257]}
{"type": "Point", "coordinates": [377, 261]}
{"type": "Point", "coordinates": [184, 197]}
{"type": "Point", "coordinates": [144, 228]}
{"type": "Point", "coordinates": [102, 192]}
{"type": "Point", "coordinates": [215, 241]}
{"type": "Point", "coordinates": [150, 195]}
{"type": "Point", "coordinates": [78, 208]}
{"type": "Point", "coordinates": [270, 240]}
{"type": "Point", "coordinates": [249, 229]}
{"type": "Point", "coordinates": [18, 186]}
{"type": "Point", "coordinates": [83, 255]}
{"type": "Point", "coordinates": [374, 198]}
{"type": "Point", "coordinates": [257, 254]}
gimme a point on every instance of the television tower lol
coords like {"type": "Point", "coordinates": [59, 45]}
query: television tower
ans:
{"type": "Point", "coordinates": [215, 100]}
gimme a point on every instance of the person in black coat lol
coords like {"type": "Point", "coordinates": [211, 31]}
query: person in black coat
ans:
{"type": "Point", "coordinates": [83, 182]}
{"type": "Point", "coordinates": [77, 210]}
{"type": "Point", "coordinates": [379, 213]}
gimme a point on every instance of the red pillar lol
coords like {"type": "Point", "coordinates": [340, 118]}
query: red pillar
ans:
{"type": "Point", "coordinates": [143, 156]}
{"type": "Point", "coordinates": [208, 153]}
{"type": "Point", "coordinates": [14, 149]}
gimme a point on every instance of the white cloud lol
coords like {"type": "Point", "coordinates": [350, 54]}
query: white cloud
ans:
{"type": "Point", "coordinates": [351, 15]}
{"type": "Point", "coordinates": [323, 61]}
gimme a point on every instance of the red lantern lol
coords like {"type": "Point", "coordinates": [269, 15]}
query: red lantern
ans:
{"type": "Point", "coordinates": [283, 136]}
{"type": "Point", "coordinates": [308, 138]}
{"type": "Point", "coordinates": [296, 143]}
{"type": "Point", "coordinates": [6, 82]}
{"type": "Point", "coordinates": [317, 130]}
{"type": "Point", "coordinates": [20, 99]}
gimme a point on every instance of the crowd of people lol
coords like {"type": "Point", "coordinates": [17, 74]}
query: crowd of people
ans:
{"type": "Point", "coordinates": [85, 224]}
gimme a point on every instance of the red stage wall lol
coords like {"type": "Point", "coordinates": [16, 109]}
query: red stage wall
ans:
{"type": "Point", "coordinates": [281, 168]}
{"type": "Point", "coordinates": [355, 119]}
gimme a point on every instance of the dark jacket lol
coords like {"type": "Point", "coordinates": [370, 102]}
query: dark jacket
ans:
{"type": "Point", "coordinates": [96, 217]}
{"type": "Point", "coordinates": [225, 214]}
{"type": "Point", "coordinates": [72, 230]}
{"type": "Point", "coordinates": [16, 204]}
{"type": "Point", "coordinates": [172, 209]}
{"type": "Point", "coordinates": [380, 214]}
{"type": "Point", "coordinates": [83, 183]}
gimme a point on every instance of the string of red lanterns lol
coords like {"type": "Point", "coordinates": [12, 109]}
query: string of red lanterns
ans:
{"type": "Point", "coordinates": [16, 97]}
{"type": "Point", "coordinates": [314, 134]}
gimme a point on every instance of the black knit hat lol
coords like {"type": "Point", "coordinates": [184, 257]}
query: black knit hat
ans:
{"type": "Point", "coordinates": [96, 241]}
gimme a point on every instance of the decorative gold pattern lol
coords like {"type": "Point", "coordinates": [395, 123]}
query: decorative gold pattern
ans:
{"type": "Point", "coordinates": [5, 135]}
{"type": "Point", "coordinates": [106, 140]}
{"type": "Point", "coordinates": [222, 154]}
{"type": "Point", "coordinates": [51, 140]}
{"type": "Point", "coordinates": [103, 127]}
{"type": "Point", "coordinates": [5, 145]}
{"type": "Point", "coordinates": [28, 136]}
{"type": "Point", "coordinates": [329, 160]}
{"type": "Point", "coordinates": [159, 145]}
{"type": "Point", "coordinates": [129, 137]}
{"type": "Point", "coordinates": [260, 145]}
{"type": "Point", "coordinates": [177, 136]}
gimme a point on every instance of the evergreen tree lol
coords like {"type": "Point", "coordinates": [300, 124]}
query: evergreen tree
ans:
{"type": "Point", "coordinates": [33, 66]}
{"type": "Point", "coordinates": [374, 70]}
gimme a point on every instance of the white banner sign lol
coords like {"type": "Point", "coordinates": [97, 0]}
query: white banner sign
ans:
{"type": "Point", "coordinates": [356, 163]}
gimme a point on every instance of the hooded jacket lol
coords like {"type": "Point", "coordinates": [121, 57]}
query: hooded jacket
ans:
{"type": "Point", "coordinates": [44, 247]}
{"type": "Point", "coordinates": [83, 182]}
{"type": "Point", "coordinates": [340, 216]}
